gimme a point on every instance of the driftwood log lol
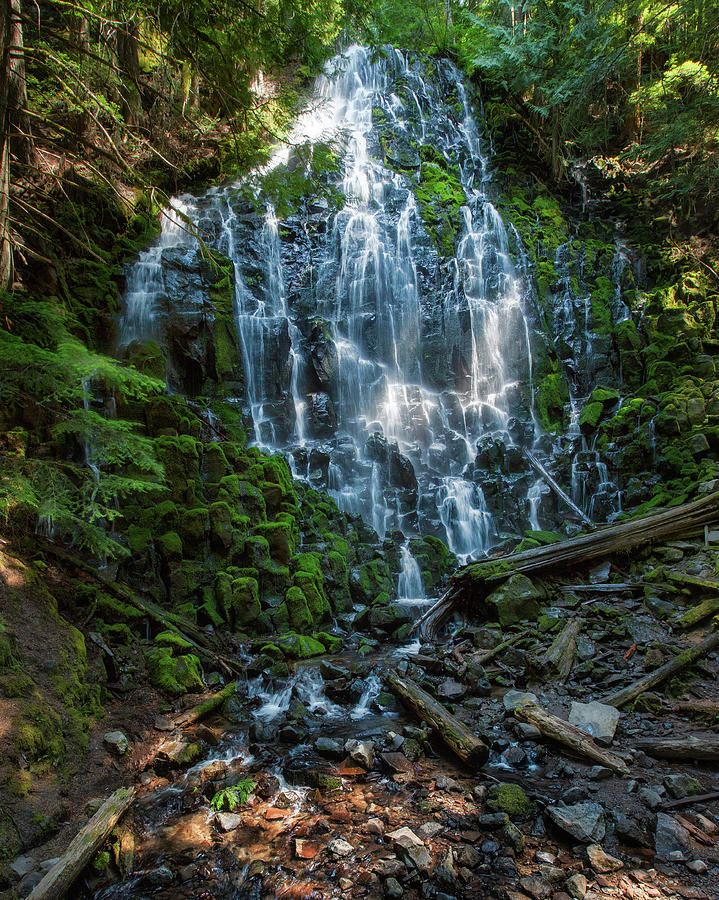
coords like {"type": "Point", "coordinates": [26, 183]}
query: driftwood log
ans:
{"type": "Point", "coordinates": [619, 698]}
{"type": "Point", "coordinates": [83, 846]}
{"type": "Point", "coordinates": [467, 746]}
{"type": "Point", "coordinates": [471, 584]}
{"type": "Point", "coordinates": [202, 710]}
{"type": "Point", "coordinates": [698, 613]}
{"type": "Point", "coordinates": [693, 746]}
{"type": "Point", "coordinates": [479, 659]}
{"type": "Point", "coordinates": [565, 733]}
{"type": "Point", "coordinates": [559, 659]}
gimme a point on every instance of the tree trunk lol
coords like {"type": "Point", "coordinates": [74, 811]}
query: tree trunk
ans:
{"type": "Point", "coordinates": [693, 746]}
{"type": "Point", "coordinates": [571, 736]}
{"type": "Point", "coordinates": [619, 698]}
{"type": "Point", "coordinates": [83, 846]}
{"type": "Point", "coordinates": [5, 240]}
{"type": "Point", "coordinates": [20, 131]}
{"type": "Point", "coordinates": [456, 736]}
{"type": "Point", "coordinates": [128, 58]}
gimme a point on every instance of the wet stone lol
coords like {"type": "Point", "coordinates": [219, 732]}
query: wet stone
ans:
{"type": "Point", "coordinates": [650, 797]}
{"type": "Point", "coordinates": [328, 748]}
{"type": "Point", "coordinates": [512, 699]}
{"type": "Point", "coordinates": [536, 887]}
{"type": "Point", "coordinates": [602, 862]}
{"type": "Point", "coordinates": [23, 865]}
{"type": "Point", "coordinates": [698, 866]}
{"type": "Point", "coordinates": [393, 889]}
{"type": "Point", "coordinates": [583, 821]}
{"type": "Point", "coordinates": [340, 847]}
{"type": "Point", "coordinates": [226, 821]}
{"type": "Point", "coordinates": [598, 719]}
{"type": "Point", "coordinates": [670, 837]}
{"type": "Point", "coordinates": [577, 886]}
{"type": "Point", "coordinates": [116, 742]}
{"type": "Point", "coordinates": [682, 785]}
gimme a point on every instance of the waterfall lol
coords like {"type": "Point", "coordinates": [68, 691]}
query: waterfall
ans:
{"type": "Point", "coordinates": [368, 340]}
{"type": "Point", "coordinates": [410, 578]}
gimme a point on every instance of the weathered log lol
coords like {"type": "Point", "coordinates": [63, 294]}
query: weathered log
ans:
{"type": "Point", "coordinates": [560, 656]}
{"type": "Point", "coordinates": [83, 846]}
{"type": "Point", "coordinates": [565, 733]}
{"type": "Point", "coordinates": [697, 709]}
{"type": "Point", "coordinates": [619, 698]}
{"type": "Point", "coordinates": [609, 588]}
{"type": "Point", "coordinates": [693, 746]}
{"type": "Point", "coordinates": [698, 613]}
{"type": "Point", "coordinates": [543, 473]}
{"type": "Point", "coordinates": [473, 582]}
{"type": "Point", "coordinates": [202, 710]}
{"type": "Point", "coordinates": [692, 581]}
{"type": "Point", "coordinates": [479, 659]}
{"type": "Point", "coordinates": [693, 798]}
{"type": "Point", "coordinates": [467, 746]}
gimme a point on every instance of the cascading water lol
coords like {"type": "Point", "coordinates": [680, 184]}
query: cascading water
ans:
{"type": "Point", "coordinates": [378, 347]}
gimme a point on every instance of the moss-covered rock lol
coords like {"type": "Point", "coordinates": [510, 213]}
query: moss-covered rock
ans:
{"type": "Point", "coordinates": [282, 537]}
{"type": "Point", "coordinates": [299, 646]}
{"type": "Point", "coordinates": [299, 615]}
{"type": "Point", "coordinates": [517, 600]}
{"type": "Point", "coordinates": [173, 674]}
{"type": "Point", "coordinates": [511, 799]}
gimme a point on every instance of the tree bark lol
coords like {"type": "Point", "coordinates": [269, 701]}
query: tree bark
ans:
{"type": "Point", "coordinates": [571, 736]}
{"type": "Point", "coordinates": [6, 266]}
{"type": "Point", "coordinates": [20, 130]}
{"type": "Point", "coordinates": [560, 656]}
{"type": "Point", "coordinates": [83, 846]}
{"type": "Point", "coordinates": [693, 746]}
{"type": "Point", "coordinates": [456, 736]}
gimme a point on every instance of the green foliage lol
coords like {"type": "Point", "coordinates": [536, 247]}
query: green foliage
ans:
{"type": "Point", "coordinates": [231, 797]}
{"type": "Point", "coordinates": [73, 465]}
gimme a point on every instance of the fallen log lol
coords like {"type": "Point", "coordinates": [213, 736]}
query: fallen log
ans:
{"type": "Point", "coordinates": [472, 583]}
{"type": "Point", "coordinates": [692, 746]}
{"type": "Point", "coordinates": [565, 733]}
{"type": "Point", "coordinates": [467, 746]}
{"type": "Point", "coordinates": [202, 710]}
{"type": "Point", "coordinates": [619, 698]}
{"type": "Point", "coordinates": [697, 709]}
{"type": "Point", "coordinates": [83, 847]}
{"type": "Point", "coordinates": [479, 659]}
{"type": "Point", "coordinates": [692, 581]}
{"type": "Point", "coordinates": [698, 613]}
{"type": "Point", "coordinates": [609, 588]}
{"type": "Point", "coordinates": [693, 798]}
{"type": "Point", "coordinates": [543, 473]}
{"type": "Point", "coordinates": [560, 656]}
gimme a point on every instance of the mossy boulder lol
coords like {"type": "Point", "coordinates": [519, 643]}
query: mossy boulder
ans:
{"type": "Point", "coordinates": [510, 799]}
{"type": "Point", "coordinates": [282, 537]}
{"type": "Point", "coordinates": [551, 396]}
{"type": "Point", "coordinates": [170, 547]}
{"type": "Point", "coordinates": [174, 675]}
{"type": "Point", "coordinates": [370, 579]}
{"type": "Point", "coordinates": [161, 416]}
{"type": "Point", "coordinates": [180, 457]}
{"type": "Point", "coordinates": [298, 611]}
{"type": "Point", "coordinates": [517, 600]}
{"type": "Point", "coordinates": [436, 561]}
{"type": "Point", "coordinates": [299, 646]}
{"type": "Point", "coordinates": [194, 525]}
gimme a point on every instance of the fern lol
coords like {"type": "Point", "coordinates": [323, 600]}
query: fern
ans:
{"type": "Point", "coordinates": [231, 797]}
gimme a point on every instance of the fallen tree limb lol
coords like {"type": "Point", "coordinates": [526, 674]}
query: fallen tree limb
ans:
{"type": "Point", "coordinates": [692, 581]}
{"type": "Point", "coordinates": [83, 847]}
{"type": "Point", "coordinates": [543, 473]}
{"type": "Point", "coordinates": [467, 746]}
{"type": "Point", "coordinates": [697, 709]}
{"type": "Point", "coordinates": [619, 698]}
{"type": "Point", "coordinates": [694, 798]}
{"type": "Point", "coordinates": [480, 659]}
{"type": "Point", "coordinates": [202, 710]}
{"type": "Point", "coordinates": [560, 656]}
{"type": "Point", "coordinates": [698, 613]}
{"type": "Point", "coordinates": [565, 733]}
{"type": "Point", "coordinates": [691, 747]}
{"type": "Point", "coordinates": [608, 588]}
{"type": "Point", "coordinates": [471, 584]}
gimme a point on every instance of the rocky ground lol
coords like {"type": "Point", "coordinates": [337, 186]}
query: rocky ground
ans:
{"type": "Point", "coordinates": [346, 794]}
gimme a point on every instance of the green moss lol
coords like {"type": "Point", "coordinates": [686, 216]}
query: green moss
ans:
{"type": "Point", "coordinates": [440, 197]}
{"type": "Point", "coordinates": [172, 639]}
{"type": "Point", "coordinates": [170, 546]}
{"type": "Point", "coordinates": [298, 609]}
{"type": "Point", "coordinates": [282, 537]}
{"type": "Point", "coordinates": [510, 799]}
{"type": "Point", "coordinates": [590, 416]}
{"type": "Point", "coordinates": [299, 646]}
{"type": "Point", "coordinates": [174, 675]}
{"type": "Point", "coordinates": [330, 642]}
{"type": "Point", "coordinates": [551, 396]}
